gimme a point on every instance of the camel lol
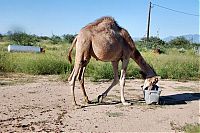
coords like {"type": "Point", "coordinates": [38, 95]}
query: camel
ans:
{"type": "Point", "coordinates": [106, 41]}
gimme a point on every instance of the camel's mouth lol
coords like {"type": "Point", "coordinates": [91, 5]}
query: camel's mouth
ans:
{"type": "Point", "coordinates": [152, 87]}
{"type": "Point", "coordinates": [144, 88]}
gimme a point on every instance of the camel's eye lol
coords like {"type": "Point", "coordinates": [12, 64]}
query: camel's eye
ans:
{"type": "Point", "coordinates": [145, 88]}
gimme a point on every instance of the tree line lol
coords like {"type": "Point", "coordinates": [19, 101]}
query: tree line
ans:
{"type": "Point", "coordinates": [157, 43]}
{"type": "Point", "coordinates": [22, 38]}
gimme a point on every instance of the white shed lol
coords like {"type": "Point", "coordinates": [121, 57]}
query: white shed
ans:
{"type": "Point", "coordinates": [19, 48]}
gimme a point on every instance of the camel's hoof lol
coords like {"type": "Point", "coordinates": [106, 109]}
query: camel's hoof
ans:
{"type": "Point", "coordinates": [100, 99]}
{"type": "Point", "coordinates": [77, 106]}
{"type": "Point", "coordinates": [126, 103]}
{"type": "Point", "coordinates": [88, 102]}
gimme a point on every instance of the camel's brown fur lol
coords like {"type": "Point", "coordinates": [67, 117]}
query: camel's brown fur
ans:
{"type": "Point", "coordinates": [105, 40]}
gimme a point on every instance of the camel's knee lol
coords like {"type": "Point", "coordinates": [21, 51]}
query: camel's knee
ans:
{"type": "Point", "coordinates": [116, 81]}
{"type": "Point", "coordinates": [84, 63]}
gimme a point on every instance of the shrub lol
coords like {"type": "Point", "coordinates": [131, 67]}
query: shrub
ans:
{"type": "Point", "coordinates": [172, 65]}
{"type": "Point", "coordinates": [176, 66]}
{"type": "Point", "coordinates": [4, 64]}
{"type": "Point", "coordinates": [180, 42]}
{"type": "Point", "coordinates": [56, 39]}
{"type": "Point", "coordinates": [21, 38]}
{"type": "Point", "coordinates": [154, 42]}
{"type": "Point", "coordinates": [69, 38]}
{"type": "Point", "coordinates": [33, 63]}
{"type": "Point", "coordinates": [191, 128]}
{"type": "Point", "coordinates": [99, 70]}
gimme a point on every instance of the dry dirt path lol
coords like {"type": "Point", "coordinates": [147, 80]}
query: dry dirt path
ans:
{"type": "Point", "coordinates": [45, 105]}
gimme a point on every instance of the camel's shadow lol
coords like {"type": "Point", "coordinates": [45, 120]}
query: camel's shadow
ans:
{"type": "Point", "coordinates": [175, 99]}
{"type": "Point", "coordinates": [179, 98]}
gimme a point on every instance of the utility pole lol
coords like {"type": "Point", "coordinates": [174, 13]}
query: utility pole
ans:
{"type": "Point", "coordinates": [148, 22]}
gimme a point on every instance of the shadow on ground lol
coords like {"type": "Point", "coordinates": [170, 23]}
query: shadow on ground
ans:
{"type": "Point", "coordinates": [179, 98]}
{"type": "Point", "coordinates": [175, 99]}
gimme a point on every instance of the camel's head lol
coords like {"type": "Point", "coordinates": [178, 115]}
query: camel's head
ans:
{"type": "Point", "coordinates": [150, 82]}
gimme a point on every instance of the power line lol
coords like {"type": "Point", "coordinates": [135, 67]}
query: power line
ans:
{"type": "Point", "coordinates": [175, 10]}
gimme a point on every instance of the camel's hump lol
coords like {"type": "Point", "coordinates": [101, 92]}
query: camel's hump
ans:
{"type": "Point", "coordinates": [106, 20]}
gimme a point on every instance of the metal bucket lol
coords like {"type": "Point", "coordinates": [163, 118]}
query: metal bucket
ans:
{"type": "Point", "coordinates": [152, 95]}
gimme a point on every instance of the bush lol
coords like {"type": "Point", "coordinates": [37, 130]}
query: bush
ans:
{"type": "Point", "coordinates": [21, 38]}
{"type": "Point", "coordinates": [180, 42]}
{"type": "Point", "coordinates": [154, 42]}
{"type": "Point", "coordinates": [99, 70]}
{"type": "Point", "coordinates": [4, 63]}
{"type": "Point", "coordinates": [176, 65]}
{"type": "Point", "coordinates": [172, 65]}
{"type": "Point", "coordinates": [1, 37]}
{"type": "Point", "coordinates": [69, 38]}
{"type": "Point", "coordinates": [191, 128]}
{"type": "Point", "coordinates": [56, 39]}
{"type": "Point", "coordinates": [33, 63]}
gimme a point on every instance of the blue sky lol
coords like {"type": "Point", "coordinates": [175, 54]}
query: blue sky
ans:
{"type": "Point", "coordinates": [47, 17]}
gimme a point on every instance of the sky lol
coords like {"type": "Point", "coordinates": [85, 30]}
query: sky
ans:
{"type": "Point", "coordinates": [58, 17]}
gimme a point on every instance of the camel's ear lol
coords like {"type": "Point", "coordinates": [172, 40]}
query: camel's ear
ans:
{"type": "Point", "coordinates": [143, 74]}
{"type": "Point", "coordinates": [158, 77]}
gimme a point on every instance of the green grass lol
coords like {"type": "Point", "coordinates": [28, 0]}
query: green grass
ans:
{"type": "Point", "coordinates": [33, 63]}
{"type": "Point", "coordinates": [187, 128]}
{"type": "Point", "coordinates": [192, 128]}
{"type": "Point", "coordinates": [175, 65]}
{"type": "Point", "coordinates": [99, 70]}
{"type": "Point", "coordinates": [172, 65]}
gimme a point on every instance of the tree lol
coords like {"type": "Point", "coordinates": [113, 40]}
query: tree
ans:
{"type": "Point", "coordinates": [1, 37]}
{"type": "Point", "coordinates": [154, 42]}
{"type": "Point", "coordinates": [21, 38]}
{"type": "Point", "coordinates": [69, 38]}
{"type": "Point", "coordinates": [56, 39]}
{"type": "Point", "coordinates": [44, 38]}
{"type": "Point", "coordinates": [179, 42]}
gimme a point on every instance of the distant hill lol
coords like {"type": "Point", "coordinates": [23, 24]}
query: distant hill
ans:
{"type": "Point", "coordinates": [191, 37]}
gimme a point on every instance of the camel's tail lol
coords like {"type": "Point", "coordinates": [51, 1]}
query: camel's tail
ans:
{"type": "Point", "coordinates": [70, 50]}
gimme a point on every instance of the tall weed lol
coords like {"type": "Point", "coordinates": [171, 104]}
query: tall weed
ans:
{"type": "Point", "coordinates": [33, 63]}
{"type": "Point", "coordinates": [172, 65]}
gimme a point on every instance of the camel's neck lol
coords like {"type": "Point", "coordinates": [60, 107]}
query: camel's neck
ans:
{"type": "Point", "coordinates": [136, 56]}
{"type": "Point", "coordinates": [145, 67]}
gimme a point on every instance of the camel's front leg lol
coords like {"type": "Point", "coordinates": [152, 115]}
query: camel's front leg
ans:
{"type": "Point", "coordinates": [115, 81]}
{"type": "Point", "coordinates": [122, 81]}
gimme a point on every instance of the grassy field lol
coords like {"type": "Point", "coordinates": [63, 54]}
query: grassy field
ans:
{"type": "Point", "coordinates": [171, 65]}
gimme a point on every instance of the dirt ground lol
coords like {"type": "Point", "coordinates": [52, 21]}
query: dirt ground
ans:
{"type": "Point", "coordinates": [44, 103]}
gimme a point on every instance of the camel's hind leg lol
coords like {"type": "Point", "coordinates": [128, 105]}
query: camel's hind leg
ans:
{"type": "Point", "coordinates": [81, 80]}
{"type": "Point", "coordinates": [72, 80]}
{"type": "Point", "coordinates": [115, 81]}
{"type": "Point", "coordinates": [79, 69]}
